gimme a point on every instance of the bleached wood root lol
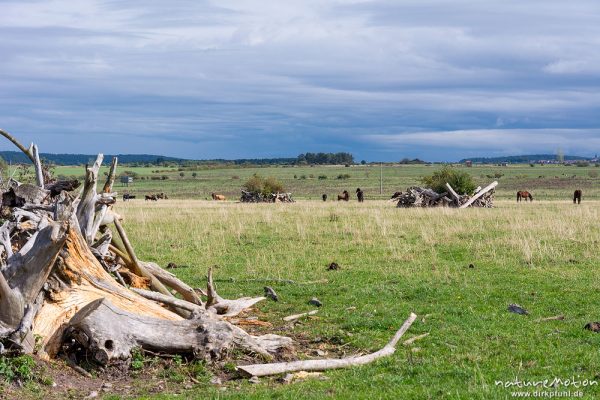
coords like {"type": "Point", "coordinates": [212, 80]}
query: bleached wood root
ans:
{"type": "Point", "coordinates": [322, 365]}
{"type": "Point", "coordinates": [414, 339]}
{"type": "Point", "coordinates": [479, 194]}
{"type": "Point", "coordinates": [225, 307]}
{"type": "Point", "coordinates": [296, 317]}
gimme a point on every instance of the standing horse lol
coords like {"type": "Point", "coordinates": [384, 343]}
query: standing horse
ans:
{"type": "Point", "coordinates": [360, 195]}
{"type": "Point", "coordinates": [577, 196]}
{"type": "Point", "coordinates": [524, 195]}
{"type": "Point", "coordinates": [344, 196]}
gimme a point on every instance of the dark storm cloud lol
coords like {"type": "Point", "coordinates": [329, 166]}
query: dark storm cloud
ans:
{"type": "Point", "coordinates": [382, 79]}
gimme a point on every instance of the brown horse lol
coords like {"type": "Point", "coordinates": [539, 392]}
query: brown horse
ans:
{"type": "Point", "coordinates": [218, 197]}
{"type": "Point", "coordinates": [524, 195]}
{"type": "Point", "coordinates": [344, 196]}
{"type": "Point", "coordinates": [577, 196]}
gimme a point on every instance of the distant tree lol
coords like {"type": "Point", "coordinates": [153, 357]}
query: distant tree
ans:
{"type": "Point", "coordinates": [194, 174]}
{"type": "Point", "coordinates": [182, 174]}
{"type": "Point", "coordinates": [363, 162]}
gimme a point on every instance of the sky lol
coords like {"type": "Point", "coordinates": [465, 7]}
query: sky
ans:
{"type": "Point", "coordinates": [382, 79]}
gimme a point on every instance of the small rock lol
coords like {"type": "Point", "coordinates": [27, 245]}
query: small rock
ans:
{"type": "Point", "coordinates": [215, 380]}
{"type": "Point", "coordinates": [254, 379]}
{"type": "Point", "coordinates": [333, 266]}
{"type": "Point", "coordinates": [92, 395]}
{"type": "Point", "coordinates": [517, 309]}
{"type": "Point", "coordinates": [321, 353]}
{"type": "Point", "coordinates": [315, 302]}
{"type": "Point", "coordinates": [592, 326]}
{"type": "Point", "coordinates": [270, 293]}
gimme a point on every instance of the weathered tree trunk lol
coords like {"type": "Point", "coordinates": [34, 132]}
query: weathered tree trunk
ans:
{"type": "Point", "coordinates": [60, 280]}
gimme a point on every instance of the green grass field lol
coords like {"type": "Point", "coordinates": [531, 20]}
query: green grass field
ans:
{"type": "Point", "coordinates": [541, 255]}
{"type": "Point", "coordinates": [548, 182]}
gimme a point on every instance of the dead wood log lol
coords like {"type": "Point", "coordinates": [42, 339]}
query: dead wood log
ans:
{"type": "Point", "coordinates": [453, 193]}
{"type": "Point", "coordinates": [137, 267]}
{"type": "Point", "coordinates": [87, 206]}
{"type": "Point", "coordinates": [479, 194]}
{"type": "Point", "coordinates": [296, 317]}
{"type": "Point", "coordinates": [322, 365]}
{"type": "Point", "coordinates": [161, 298]}
{"type": "Point", "coordinates": [62, 186]}
{"type": "Point", "coordinates": [111, 334]}
{"type": "Point", "coordinates": [170, 280]}
{"type": "Point", "coordinates": [224, 307]}
{"type": "Point", "coordinates": [37, 164]}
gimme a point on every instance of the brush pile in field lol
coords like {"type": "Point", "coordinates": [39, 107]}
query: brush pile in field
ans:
{"type": "Point", "coordinates": [256, 197]}
{"type": "Point", "coordinates": [423, 197]}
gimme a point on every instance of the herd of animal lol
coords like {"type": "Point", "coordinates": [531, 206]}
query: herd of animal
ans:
{"type": "Point", "coordinates": [522, 195]}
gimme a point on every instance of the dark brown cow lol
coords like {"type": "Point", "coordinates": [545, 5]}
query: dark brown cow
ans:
{"type": "Point", "coordinates": [151, 197]}
{"type": "Point", "coordinates": [344, 196]}
{"type": "Point", "coordinates": [324, 197]}
{"type": "Point", "coordinates": [577, 196]}
{"type": "Point", "coordinates": [524, 195]}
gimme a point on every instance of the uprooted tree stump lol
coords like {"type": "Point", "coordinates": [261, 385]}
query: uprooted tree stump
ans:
{"type": "Point", "coordinates": [69, 275]}
{"type": "Point", "coordinates": [425, 197]}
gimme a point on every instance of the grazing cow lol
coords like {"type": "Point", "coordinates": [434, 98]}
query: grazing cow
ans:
{"type": "Point", "coordinates": [127, 196]}
{"type": "Point", "coordinates": [396, 195]}
{"type": "Point", "coordinates": [344, 196]}
{"type": "Point", "coordinates": [161, 196]}
{"type": "Point", "coordinates": [360, 195]}
{"type": "Point", "coordinates": [218, 197]}
{"type": "Point", "coordinates": [577, 196]}
{"type": "Point", "coordinates": [324, 197]}
{"type": "Point", "coordinates": [151, 197]}
{"type": "Point", "coordinates": [524, 195]}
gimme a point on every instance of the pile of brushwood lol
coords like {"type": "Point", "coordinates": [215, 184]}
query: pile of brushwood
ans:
{"type": "Point", "coordinates": [424, 197]}
{"type": "Point", "coordinates": [72, 286]}
{"type": "Point", "coordinates": [258, 197]}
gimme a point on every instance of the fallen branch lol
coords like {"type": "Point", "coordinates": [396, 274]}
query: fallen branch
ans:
{"type": "Point", "coordinates": [271, 280]}
{"type": "Point", "coordinates": [414, 339]}
{"type": "Point", "coordinates": [322, 365]}
{"type": "Point", "coordinates": [296, 317]}
{"type": "Point", "coordinates": [479, 194]}
{"type": "Point", "coordinates": [554, 318]}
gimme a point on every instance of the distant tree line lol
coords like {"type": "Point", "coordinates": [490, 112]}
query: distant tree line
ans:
{"type": "Point", "coordinates": [325, 158]}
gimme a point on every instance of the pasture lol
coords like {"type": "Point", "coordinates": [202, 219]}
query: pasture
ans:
{"type": "Point", "coordinates": [542, 255]}
{"type": "Point", "coordinates": [549, 182]}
